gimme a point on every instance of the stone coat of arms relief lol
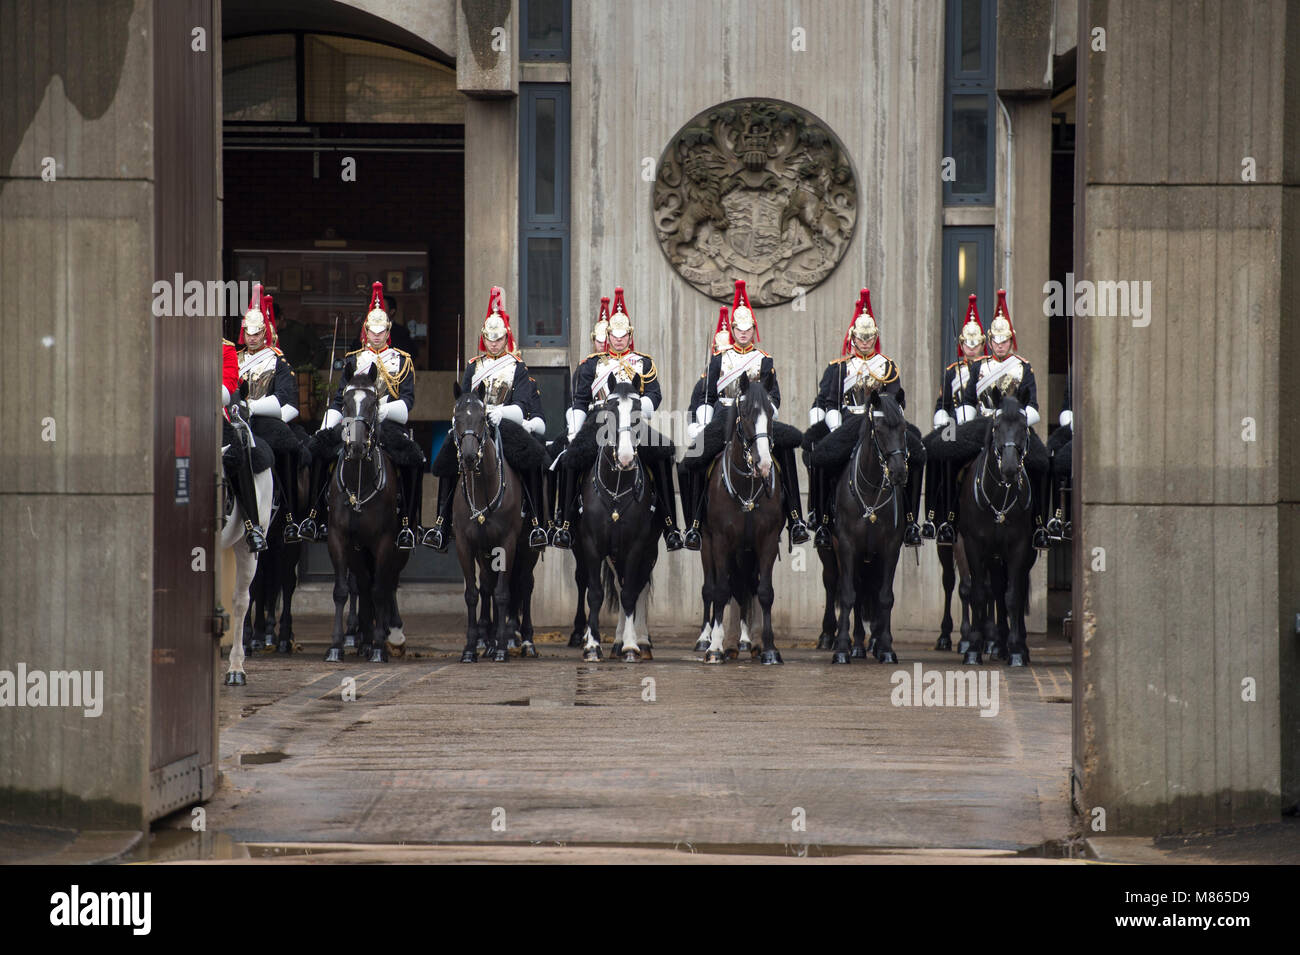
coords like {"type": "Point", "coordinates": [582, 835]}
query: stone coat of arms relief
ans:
{"type": "Point", "coordinates": [758, 190]}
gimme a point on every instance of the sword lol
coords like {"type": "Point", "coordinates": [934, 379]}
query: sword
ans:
{"type": "Point", "coordinates": [329, 386]}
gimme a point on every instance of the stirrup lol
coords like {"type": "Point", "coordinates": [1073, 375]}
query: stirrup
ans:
{"type": "Point", "coordinates": [537, 537]}
{"type": "Point", "coordinates": [693, 541]}
{"type": "Point", "coordinates": [253, 534]}
{"type": "Point", "coordinates": [563, 539]}
{"type": "Point", "coordinates": [1054, 527]}
{"type": "Point", "coordinates": [912, 535]}
{"type": "Point", "coordinates": [1040, 539]}
{"type": "Point", "coordinates": [435, 538]}
{"type": "Point", "coordinates": [428, 538]}
{"type": "Point", "coordinates": [291, 533]}
{"type": "Point", "coordinates": [672, 537]}
{"type": "Point", "coordinates": [1067, 533]}
{"type": "Point", "coordinates": [822, 539]}
{"type": "Point", "coordinates": [798, 531]}
{"type": "Point", "coordinates": [405, 539]}
{"type": "Point", "coordinates": [928, 531]}
{"type": "Point", "coordinates": [944, 536]}
{"type": "Point", "coordinates": [307, 528]}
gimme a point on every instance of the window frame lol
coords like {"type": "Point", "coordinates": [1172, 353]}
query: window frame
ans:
{"type": "Point", "coordinates": [952, 306]}
{"type": "Point", "coordinates": [551, 226]}
{"type": "Point", "coordinates": [562, 55]}
{"type": "Point", "coordinates": [979, 81]}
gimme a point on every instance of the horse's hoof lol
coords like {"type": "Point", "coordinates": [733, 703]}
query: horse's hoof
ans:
{"type": "Point", "coordinates": [943, 643]}
{"type": "Point", "coordinates": [512, 643]}
{"type": "Point", "coordinates": [500, 656]}
{"type": "Point", "coordinates": [591, 655]}
{"type": "Point", "coordinates": [364, 649]}
{"type": "Point", "coordinates": [469, 656]}
{"type": "Point", "coordinates": [256, 645]}
{"type": "Point", "coordinates": [732, 653]}
{"type": "Point", "coordinates": [236, 679]}
{"type": "Point", "coordinates": [744, 646]}
{"type": "Point", "coordinates": [994, 652]}
{"type": "Point", "coordinates": [284, 646]}
{"type": "Point", "coordinates": [349, 641]}
{"type": "Point", "coordinates": [632, 656]}
{"type": "Point", "coordinates": [575, 640]}
{"type": "Point", "coordinates": [702, 644]}
{"type": "Point", "coordinates": [963, 646]}
{"type": "Point", "coordinates": [528, 650]}
{"type": "Point", "coordinates": [972, 657]}
{"type": "Point", "coordinates": [334, 655]}
{"type": "Point", "coordinates": [378, 655]}
{"type": "Point", "coordinates": [1018, 659]}
{"type": "Point", "coordinates": [647, 652]}
{"type": "Point", "coordinates": [839, 656]}
{"type": "Point", "coordinates": [825, 641]}
{"type": "Point", "coordinates": [990, 648]}
{"type": "Point", "coordinates": [858, 653]}
{"type": "Point", "coordinates": [715, 656]}
{"type": "Point", "coordinates": [481, 646]}
{"type": "Point", "coordinates": [771, 657]}
{"type": "Point", "coordinates": [396, 651]}
{"type": "Point", "coordinates": [887, 657]}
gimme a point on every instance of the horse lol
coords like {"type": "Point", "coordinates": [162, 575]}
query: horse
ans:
{"type": "Point", "coordinates": [488, 519]}
{"type": "Point", "coordinates": [745, 519]}
{"type": "Point", "coordinates": [619, 541]}
{"type": "Point", "coordinates": [869, 527]}
{"type": "Point", "coordinates": [956, 575]}
{"type": "Point", "coordinates": [232, 539]}
{"type": "Point", "coordinates": [276, 578]}
{"type": "Point", "coordinates": [363, 521]}
{"type": "Point", "coordinates": [996, 521]}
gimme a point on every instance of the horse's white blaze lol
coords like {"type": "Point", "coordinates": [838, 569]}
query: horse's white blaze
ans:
{"type": "Point", "coordinates": [588, 641]}
{"type": "Point", "coordinates": [764, 446]}
{"type": "Point", "coordinates": [624, 435]}
{"type": "Point", "coordinates": [715, 639]}
{"type": "Point", "coordinates": [629, 631]}
{"type": "Point", "coordinates": [357, 398]}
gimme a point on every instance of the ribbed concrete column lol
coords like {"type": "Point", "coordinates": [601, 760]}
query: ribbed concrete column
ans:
{"type": "Point", "coordinates": [1186, 581]}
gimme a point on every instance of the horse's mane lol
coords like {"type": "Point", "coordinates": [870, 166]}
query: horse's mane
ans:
{"type": "Point", "coordinates": [891, 412]}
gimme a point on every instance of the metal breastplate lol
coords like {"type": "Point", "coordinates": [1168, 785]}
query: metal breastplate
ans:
{"type": "Point", "coordinates": [732, 360]}
{"type": "Point", "coordinates": [858, 394]}
{"type": "Point", "coordinates": [1006, 384]}
{"type": "Point", "coordinates": [619, 373]}
{"type": "Point", "coordinates": [498, 387]}
{"type": "Point", "coordinates": [260, 375]}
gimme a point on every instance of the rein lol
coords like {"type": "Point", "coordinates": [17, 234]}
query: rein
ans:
{"type": "Point", "coordinates": [1008, 488]}
{"type": "Point", "coordinates": [750, 472]}
{"type": "Point", "coordinates": [476, 513]}
{"type": "Point", "coordinates": [606, 459]}
{"type": "Point", "coordinates": [869, 510]}
{"type": "Point", "coordinates": [381, 475]}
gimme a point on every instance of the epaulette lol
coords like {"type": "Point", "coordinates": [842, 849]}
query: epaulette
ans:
{"type": "Point", "coordinates": [351, 353]}
{"type": "Point", "coordinates": [595, 354]}
{"type": "Point", "coordinates": [226, 341]}
{"type": "Point", "coordinates": [959, 361]}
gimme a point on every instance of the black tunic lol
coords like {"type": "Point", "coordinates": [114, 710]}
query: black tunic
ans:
{"type": "Point", "coordinates": [1026, 393]}
{"type": "Point", "coordinates": [585, 377]}
{"type": "Point", "coordinates": [405, 380]}
{"type": "Point", "coordinates": [523, 390]}
{"type": "Point", "coordinates": [830, 393]}
{"type": "Point", "coordinates": [766, 371]}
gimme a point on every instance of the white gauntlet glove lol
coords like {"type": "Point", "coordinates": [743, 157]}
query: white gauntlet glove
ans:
{"type": "Point", "coordinates": [704, 414]}
{"type": "Point", "coordinates": [834, 419]}
{"type": "Point", "coordinates": [815, 416]}
{"type": "Point", "coordinates": [268, 407]}
{"type": "Point", "coordinates": [513, 412]}
{"type": "Point", "coordinates": [941, 419]}
{"type": "Point", "coordinates": [965, 413]}
{"type": "Point", "coordinates": [647, 406]}
{"type": "Point", "coordinates": [1031, 415]}
{"type": "Point", "coordinates": [574, 418]}
{"type": "Point", "coordinates": [288, 413]}
{"type": "Point", "coordinates": [1066, 419]}
{"type": "Point", "coordinates": [332, 418]}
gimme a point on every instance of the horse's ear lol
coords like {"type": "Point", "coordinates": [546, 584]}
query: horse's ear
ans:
{"type": "Point", "coordinates": [481, 392]}
{"type": "Point", "coordinates": [744, 382]}
{"type": "Point", "coordinates": [875, 399]}
{"type": "Point", "coordinates": [902, 399]}
{"type": "Point", "coordinates": [456, 391]}
{"type": "Point", "coordinates": [637, 384]}
{"type": "Point", "coordinates": [347, 376]}
{"type": "Point", "coordinates": [243, 389]}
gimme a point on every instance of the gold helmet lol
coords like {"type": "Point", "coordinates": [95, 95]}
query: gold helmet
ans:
{"type": "Point", "coordinates": [972, 332]}
{"type": "Point", "coordinates": [496, 324]}
{"type": "Point", "coordinates": [1000, 329]}
{"type": "Point", "coordinates": [742, 316]}
{"type": "Point", "coordinates": [722, 337]}
{"type": "Point", "coordinates": [254, 320]}
{"type": "Point", "coordinates": [620, 323]}
{"type": "Point", "coordinates": [600, 331]}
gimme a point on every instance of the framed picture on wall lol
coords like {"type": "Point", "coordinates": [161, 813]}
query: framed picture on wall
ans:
{"type": "Point", "coordinates": [272, 282]}
{"type": "Point", "coordinates": [250, 268]}
{"type": "Point", "coordinates": [360, 282]}
{"type": "Point", "coordinates": [337, 276]}
{"type": "Point", "coordinates": [308, 280]}
{"type": "Point", "coordinates": [415, 280]}
{"type": "Point", "coordinates": [393, 281]}
{"type": "Point", "coordinates": [291, 280]}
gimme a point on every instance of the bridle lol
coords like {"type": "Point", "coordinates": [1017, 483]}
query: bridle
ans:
{"type": "Point", "coordinates": [758, 484]}
{"type": "Point", "coordinates": [1008, 487]}
{"type": "Point", "coordinates": [369, 455]}
{"type": "Point", "coordinates": [882, 458]}
{"type": "Point", "coordinates": [608, 460]}
{"type": "Point", "coordinates": [476, 513]}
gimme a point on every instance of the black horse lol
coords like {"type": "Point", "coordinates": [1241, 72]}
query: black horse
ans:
{"type": "Point", "coordinates": [871, 504]}
{"type": "Point", "coordinates": [617, 540]}
{"type": "Point", "coordinates": [277, 576]}
{"type": "Point", "coordinates": [996, 523]}
{"type": "Point", "coordinates": [363, 522]}
{"type": "Point", "coordinates": [956, 576]}
{"type": "Point", "coordinates": [745, 518]}
{"type": "Point", "coordinates": [488, 523]}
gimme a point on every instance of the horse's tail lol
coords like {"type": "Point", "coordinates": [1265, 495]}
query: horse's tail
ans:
{"type": "Point", "coordinates": [609, 581]}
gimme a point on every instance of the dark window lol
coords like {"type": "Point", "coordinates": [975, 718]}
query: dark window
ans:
{"type": "Point", "coordinates": [967, 268]}
{"type": "Point", "coordinates": [544, 214]}
{"type": "Point", "coordinates": [544, 31]}
{"type": "Point", "coordinates": [553, 384]}
{"type": "Point", "coordinates": [970, 101]}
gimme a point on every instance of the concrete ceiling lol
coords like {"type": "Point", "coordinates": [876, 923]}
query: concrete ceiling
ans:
{"type": "Point", "coordinates": [240, 17]}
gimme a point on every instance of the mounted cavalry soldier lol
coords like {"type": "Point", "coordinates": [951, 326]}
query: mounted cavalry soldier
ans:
{"type": "Point", "coordinates": [1002, 373]}
{"type": "Point", "coordinates": [272, 397]}
{"type": "Point", "coordinates": [242, 455]}
{"type": "Point", "coordinates": [742, 359]}
{"type": "Point", "coordinates": [395, 385]}
{"type": "Point", "coordinates": [594, 381]}
{"type": "Point", "coordinates": [514, 406]}
{"type": "Point", "coordinates": [950, 409]}
{"type": "Point", "coordinates": [561, 537]}
{"type": "Point", "coordinates": [845, 391]}
{"type": "Point", "coordinates": [693, 484]}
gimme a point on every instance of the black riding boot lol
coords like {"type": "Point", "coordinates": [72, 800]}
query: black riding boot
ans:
{"type": "Point", "coordinates": [533, 491]}
{"type": "Point", "coordinates": [1066, 511]}
{"type": "Point", "coordinates": [1042, 503]}
{"type": "Point", "coordinates": [550, 487]}
{"type": "Point", "coordinates": [700, 509]}
{"type": "Point", "coordinates": [440, 534]}
{"type": "Point", "coordinates": [689, 484]}
{"type": "Point", "coordinates": [912, 533]}
{"type": "Point", "coordinates": [241, 483]}
{"type": "Point", "coordinates": [928, 530]}
{"type": "Point", "coordinates": [823, 539]}
{"type": "Point", "coordinates": [286, 471]}
{"type": "Point", "coordinates": [947, 532]}
{"type": "Point", "coordinates": [1055, 530]}
{"type": "Point", "coordinates": [307, 528]}
{"type": "Point", "coordinates": [667, 504]}
{"type": "Point", "coordinates": [567, 513]}
{"type": "Point", "coordinates": [407, 476]}
{"type": "Point", "coordinates": [793, 504]}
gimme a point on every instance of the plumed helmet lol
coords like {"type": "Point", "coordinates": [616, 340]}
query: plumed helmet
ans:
{"type": "Point", "coordinates": [972, 331]}
{"type": "Point", "coordinates": [620, 322]}
{"type": "Point", "coordinates": [600, 331]}
{"type": "Point", "coordinates": [722, 336]}
{"type": "Point", "coordinates": [1000, 329]}
{"type": "Point", "coordinates": [377, 319]}
{"type": "Point", "coordinates": [254, 320]}
{"type": "Point", "coordinates": [496, 323]}
{"type": "Point", "coordinates": [863, 332]}
{"type": "Point", "coordinates": [742, 315]}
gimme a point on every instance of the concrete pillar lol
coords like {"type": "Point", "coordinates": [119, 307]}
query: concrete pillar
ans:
{"type": "Point", "coordinates": [1186, 583]}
